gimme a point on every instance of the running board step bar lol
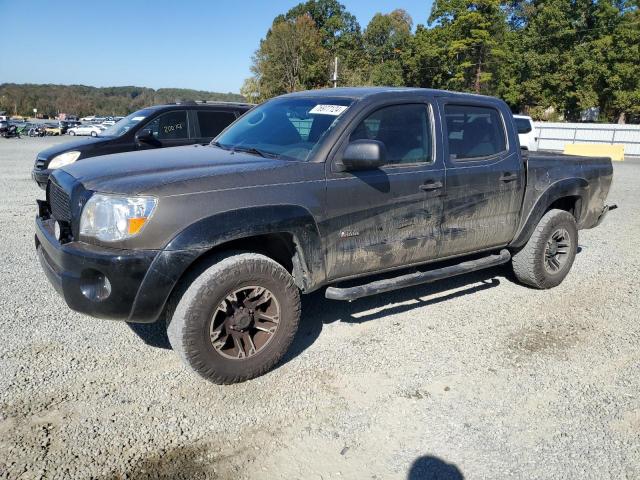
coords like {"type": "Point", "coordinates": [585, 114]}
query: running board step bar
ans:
{"type": "Point", "coordinates": [416, 278]}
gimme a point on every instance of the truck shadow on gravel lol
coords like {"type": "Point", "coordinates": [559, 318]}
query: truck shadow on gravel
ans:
{"type": "Point", "coordinates": [318, 311]}
{"type": "Point", "coordinates": [428, 467]}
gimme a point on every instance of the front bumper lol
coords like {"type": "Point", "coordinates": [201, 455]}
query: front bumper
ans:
{"type": "Point", "coordinates": [101, 282]}
{"type": "Point", "coordinates": [41, 177]}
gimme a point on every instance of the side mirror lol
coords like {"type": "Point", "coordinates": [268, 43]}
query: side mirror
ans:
{"type": "Point", "coordinates": [363, 155]}
{"type": "Point", "coordinates": [146, 136]}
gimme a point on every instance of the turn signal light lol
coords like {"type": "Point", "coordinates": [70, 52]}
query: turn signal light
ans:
{"type": "Point", "coordinates": [136, 224]}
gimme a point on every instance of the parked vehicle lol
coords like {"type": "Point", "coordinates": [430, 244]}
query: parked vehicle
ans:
{"type": "Point", "coordinates": [87, 119]}
{"type": "Point", "coordinates": [92, 130]}
{"type": "Point", "coordinates": [52, 129]}
{"type": "Point", "coordinates": [8, 130]}
{"type": "Point", "coordinates": [309, 190]}
{"type": "Point", "coordinates": [36, 130]}
{"type": "Point", "coordinates": [150, 128]}
{"type": "Point", "coordinates": [526, 132]}
{"type": "Point", "coordinates": [65, 125]}
{"type": "Point", "coordinates": [22, 128]}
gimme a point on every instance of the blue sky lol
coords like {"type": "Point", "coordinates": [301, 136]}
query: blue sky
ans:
{"type": "Point", "coordinates": [188, 44]}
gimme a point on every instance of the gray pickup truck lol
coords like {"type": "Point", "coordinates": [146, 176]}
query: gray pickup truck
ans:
{"type": "Point", "coordinates": [359, 190]}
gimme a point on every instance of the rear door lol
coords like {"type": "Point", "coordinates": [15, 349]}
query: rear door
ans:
{"type": "Point", "coordinates": [209, 123]}
{"type": "Point", "coordinates": [485, 178]}
{"type": "Point", "coordinates": [387, 217]}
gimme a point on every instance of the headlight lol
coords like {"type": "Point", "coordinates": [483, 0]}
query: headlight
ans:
{"type": "Point", "coordinates": [63, 159]}
{"type": "Point", "coordinates": [110, 218]}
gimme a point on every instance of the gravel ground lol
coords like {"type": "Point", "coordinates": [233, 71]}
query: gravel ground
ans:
{"type": "Point", "coordinates": [476, 377]}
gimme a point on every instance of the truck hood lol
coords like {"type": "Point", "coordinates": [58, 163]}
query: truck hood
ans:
{"type": "Point", "coordinates": [82, 143]}
{"type": "Point", "coordinates": [178, 170]}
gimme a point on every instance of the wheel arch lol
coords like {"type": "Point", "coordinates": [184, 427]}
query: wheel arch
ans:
{"type": "Point", "coordinates": [569, 194]}
{"type": "Point", "coordinates": [287, 234]}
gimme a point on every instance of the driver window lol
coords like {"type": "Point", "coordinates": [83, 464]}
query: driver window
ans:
{"type": "Point", "coordinates": [170, 126]}
{"type": "Point", "coordinates": [405, 131]}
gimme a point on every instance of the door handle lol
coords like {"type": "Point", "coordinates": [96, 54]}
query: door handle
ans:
{"type": "Point", "coordinates": [509, 177]}
{"type": "Point", "coordinates": [430, 185]}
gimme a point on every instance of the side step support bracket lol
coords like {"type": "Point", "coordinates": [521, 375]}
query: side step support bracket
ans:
{"type": "Point", "coordinates": [417, 278]}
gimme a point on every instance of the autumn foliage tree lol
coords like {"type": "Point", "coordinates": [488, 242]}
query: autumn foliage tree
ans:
{"type": "Point", "coordinates": [550, 58]}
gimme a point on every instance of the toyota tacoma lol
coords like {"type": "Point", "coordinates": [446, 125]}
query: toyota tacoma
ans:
{"type": "Point", "coordinates": [359, 190]}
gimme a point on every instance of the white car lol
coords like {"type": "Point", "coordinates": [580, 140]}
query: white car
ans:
{"type": "Point", "coordinates": [92, 130]}
{"type": "Point", "coordinates": [526, 132]}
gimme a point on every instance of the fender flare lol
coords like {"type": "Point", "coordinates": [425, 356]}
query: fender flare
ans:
{"type": "Point", "coordinates": [568, 187]}
{"type": "Point", "coordinates": [224, 227]}
{"type": "Point", "coordinates": [210, 232]}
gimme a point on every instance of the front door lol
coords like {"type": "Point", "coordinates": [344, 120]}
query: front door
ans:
{"type": "Point", "coordinates": [169, 129]}
{"type": "Point", "coordinates": [484, 180]}
{"type": "Point", "coordinates": [387, 217]}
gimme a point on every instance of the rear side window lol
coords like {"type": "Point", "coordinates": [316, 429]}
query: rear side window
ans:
{"type": "Point", "coordinates": [523, 125]}
{"type": "Point", "coordinates": [212, 123]}
{"type": "Point", "coordinates": [405, 131]}
{"type": "Point", "coordinates": [474, 132]}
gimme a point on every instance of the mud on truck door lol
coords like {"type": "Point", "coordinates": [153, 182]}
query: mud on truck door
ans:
{"type": "Point", "coordinates": [387, 216]}
{"type": "Point", "coordinates": [485, 178]}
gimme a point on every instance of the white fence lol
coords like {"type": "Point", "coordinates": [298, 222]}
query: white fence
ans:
{"type": "Point", "coordinates": [554, 136]}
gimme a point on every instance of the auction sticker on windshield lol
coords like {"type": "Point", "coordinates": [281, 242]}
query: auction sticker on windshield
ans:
{"type": "Point", "coordinates": [328, 109]}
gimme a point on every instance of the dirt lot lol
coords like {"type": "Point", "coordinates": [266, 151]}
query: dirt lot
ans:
{"type": "Point", "coordinates": [476, 377]}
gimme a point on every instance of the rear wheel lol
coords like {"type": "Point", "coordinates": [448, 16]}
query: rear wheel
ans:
{"type": "Point", "coordinates": [547, 257]}
{"type": "Point", "coordinates": [236, 319]}
{"type": "Point", "coordinates": [72, 133]}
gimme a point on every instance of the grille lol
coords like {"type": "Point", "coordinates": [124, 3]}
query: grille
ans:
{"type": "Point", "coordinates": [59, 202]}
{"type": "Point", "coordinates": [40, 162]}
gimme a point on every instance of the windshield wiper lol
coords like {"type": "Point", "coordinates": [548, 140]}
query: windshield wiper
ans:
{"type": "Point", "coordinates": [219, 145]}
{"type": "Point", "coordinates": [255, 151]}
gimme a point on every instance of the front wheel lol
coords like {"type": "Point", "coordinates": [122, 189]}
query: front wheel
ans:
{"type": "Point", "coordinates": [94, 134]}
{"type": "Point", "coordinates": [73, 134]}
{"type": "Point", "coordinates": [236, 319]}
{"type": "Point", "coordinates": [547, 257]}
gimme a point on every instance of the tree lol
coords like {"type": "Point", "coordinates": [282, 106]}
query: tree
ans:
{"type": "Point", "coordinates": [340, 36]}
{"type": "Point", "coordinates": [549, 58]}
{"type": "Point", "coordinates": [578, 54]}
{"type": "Point", "coordinates": [623, 81]}
{"type": "Point", "coordinates": [385, 39]}
{"type": "Point", "coordinates": [473, 36]}
{"type": "Point", "coordinates": [290, 58]}
{"type": "Point", "coordinates": [83, 100]}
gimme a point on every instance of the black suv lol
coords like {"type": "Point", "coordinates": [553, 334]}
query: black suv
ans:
{"type": "Point", "coordinates": [153, 127]}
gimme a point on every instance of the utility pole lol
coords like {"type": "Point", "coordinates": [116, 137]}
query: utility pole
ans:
{"type": "Point", "coordinates": [335, 72]}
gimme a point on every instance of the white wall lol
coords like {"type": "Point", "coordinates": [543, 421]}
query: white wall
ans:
{"type": "Point", "coordinates": [554, 136]}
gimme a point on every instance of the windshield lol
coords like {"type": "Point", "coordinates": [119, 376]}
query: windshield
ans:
{"type": "Point", "coordinates": [288, 128]}
{"type": "Point", "coordinates": [126, 124]}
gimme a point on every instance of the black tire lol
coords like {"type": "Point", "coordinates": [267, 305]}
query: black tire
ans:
{"type": "Point", "coordinates": [535, 264]}
{"type": "Point", "coordinates": [73, 134]}
{"type": "Point", "coordinates": [190, 327]}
